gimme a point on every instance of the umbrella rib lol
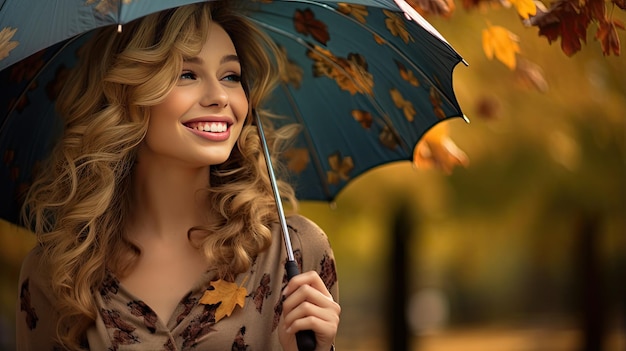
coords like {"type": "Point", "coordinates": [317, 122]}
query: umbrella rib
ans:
{"type": "Point", "coordinates": [315, 156]}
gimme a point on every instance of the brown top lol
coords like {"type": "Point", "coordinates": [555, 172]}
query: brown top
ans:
{"type": "Point", "coordinates": [125, 322]}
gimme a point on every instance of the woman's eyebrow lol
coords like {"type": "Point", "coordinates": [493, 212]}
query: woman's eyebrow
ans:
{"type": "Point", "coordinates": [229, 58]}
{"type": "Point", "coordinates": [196, 60]}
{"type": "Point", "coordinates": [225, 59]}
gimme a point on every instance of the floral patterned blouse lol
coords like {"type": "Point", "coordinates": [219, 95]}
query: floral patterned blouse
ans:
{"type": "Point", "coordinates": [125, 322]}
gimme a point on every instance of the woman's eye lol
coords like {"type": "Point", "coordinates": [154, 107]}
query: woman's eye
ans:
{"type": "Point", "coordinates": [233, 78]}
{"type": "Point", "coordinates": [188, 75]}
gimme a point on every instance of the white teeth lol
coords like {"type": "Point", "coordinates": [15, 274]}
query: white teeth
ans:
{"type": "Point", "coordinates": [212, 127]}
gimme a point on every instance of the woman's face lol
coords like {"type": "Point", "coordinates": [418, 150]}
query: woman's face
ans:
{"type": "Point", "coordinates": [200, 120]}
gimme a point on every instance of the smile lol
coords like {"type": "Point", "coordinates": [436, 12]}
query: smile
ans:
{"type": "Point", "coordinates": [211, 127]}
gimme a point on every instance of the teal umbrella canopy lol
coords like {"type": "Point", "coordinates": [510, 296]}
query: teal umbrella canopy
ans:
{"type": "Point", "coordinates": [365, 79]}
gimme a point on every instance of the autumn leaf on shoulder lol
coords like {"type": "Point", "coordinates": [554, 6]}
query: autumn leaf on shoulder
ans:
{"type": "Point", "coordinates": [501, 43]}
{"type": "Point", "coordinates": [227, 294]}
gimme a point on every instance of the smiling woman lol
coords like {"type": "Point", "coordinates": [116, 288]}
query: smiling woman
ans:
{"type": "Point", "coordinates": [208, 100]}
{"type": "Point", "coordinates": [157, 211]}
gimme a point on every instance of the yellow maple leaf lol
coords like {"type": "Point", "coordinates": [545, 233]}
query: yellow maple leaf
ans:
{"type": "Point", "coordinates": [525, 8]}
{"type": "Point", "coordinates": [227, 294]}
{"type": "Point", "coordinates": [501, 43]}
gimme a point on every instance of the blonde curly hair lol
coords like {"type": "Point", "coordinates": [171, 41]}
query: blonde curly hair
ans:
{"type": "Point", "coordinates": [79, 206]}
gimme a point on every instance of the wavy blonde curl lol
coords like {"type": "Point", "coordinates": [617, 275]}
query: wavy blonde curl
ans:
{"type": "Point", "coordinates": [79, 206]}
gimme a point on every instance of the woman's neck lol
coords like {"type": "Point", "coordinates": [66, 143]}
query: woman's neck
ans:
{"type": "Point", "coordinates": [167, 200]}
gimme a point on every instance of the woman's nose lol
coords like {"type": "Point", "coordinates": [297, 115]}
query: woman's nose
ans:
{"type": "Point", "coordinates": [214, 93]}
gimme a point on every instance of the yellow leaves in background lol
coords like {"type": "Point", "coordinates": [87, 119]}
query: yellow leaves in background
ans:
{"type": "Point", "coordinates": [6, 45]}
{"type": "Point", "coordinates": [437, 150]}
{"type": "Point", "coordinates": [525, 8]}
{"type": "Point", "coordinates": [501, 43]}
{"type": "Point", "coordinates": [227, 294]}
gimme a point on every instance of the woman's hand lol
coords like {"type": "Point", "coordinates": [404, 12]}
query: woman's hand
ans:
{"type": "Point", "coordinates": [308, 306]}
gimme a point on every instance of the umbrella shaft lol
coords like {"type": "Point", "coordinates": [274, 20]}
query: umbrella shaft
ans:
{"type": "Point", "coordinates": [279, 204]}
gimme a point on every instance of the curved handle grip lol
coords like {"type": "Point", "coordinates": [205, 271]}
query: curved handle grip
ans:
{"type": "Point", "coordinates": [305, 338]}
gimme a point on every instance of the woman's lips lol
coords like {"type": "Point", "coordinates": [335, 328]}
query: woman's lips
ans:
{"type": "Point", "coordinates": [210, 130]}
{"type": "Point", "coordinates": [211, 127]}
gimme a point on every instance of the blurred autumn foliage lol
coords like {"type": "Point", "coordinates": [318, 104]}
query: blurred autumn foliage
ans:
{"type": "Point", "coordinates": [569, 20]}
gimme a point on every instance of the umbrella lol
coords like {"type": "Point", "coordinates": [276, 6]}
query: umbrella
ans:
{"type": "Point", "coordinates": [366, 79]}
{"type": "Point", "coordinates": [365, 82]}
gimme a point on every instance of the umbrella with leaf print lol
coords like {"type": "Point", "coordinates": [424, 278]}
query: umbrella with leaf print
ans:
{"type": "Point", "coordinates": [365, 78]}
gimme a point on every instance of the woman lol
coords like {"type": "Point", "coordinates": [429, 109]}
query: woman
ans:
{"type": "Point", "coordinates": [156, 221]}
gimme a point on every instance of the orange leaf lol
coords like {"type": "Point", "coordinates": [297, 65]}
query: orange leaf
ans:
{"type": "Point", "coordinates": [227, 294]}
{"type": "Point", "coordinates": [437, 150]}
{"type": "Point", "coordinates": [499, 42]}
{"type": "Point", "coordinates": [525, 8]}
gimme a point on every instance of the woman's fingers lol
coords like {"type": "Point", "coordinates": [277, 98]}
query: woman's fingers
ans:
{"type": "Point", "coordinates": [307, 300]}
{"type": "Point", "coordinates": [308, 305]}
{"type": "Point", "coordinates": [311, 278]}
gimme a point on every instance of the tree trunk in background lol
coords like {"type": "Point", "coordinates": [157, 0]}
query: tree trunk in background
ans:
{"type": "Point", "coordinates": [399, 333]}
{"type": "Point", "coordinates": [592, 298]}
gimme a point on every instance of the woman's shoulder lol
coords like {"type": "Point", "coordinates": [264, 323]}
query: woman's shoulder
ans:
{"type": "Point", "coordinates": [313, 250]}
{"type": "Point", "coordinates": [307, 231]}
{"type": "Point", "coordinates": [33, 260]}
{"type": "Point", "coordinates": [34, 273]}
{"type": "Point", "coordinates": [308, 240]}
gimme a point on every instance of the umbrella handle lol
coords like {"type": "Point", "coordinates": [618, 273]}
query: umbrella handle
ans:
{"type": "Point", "coordinates": [304, 338]}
